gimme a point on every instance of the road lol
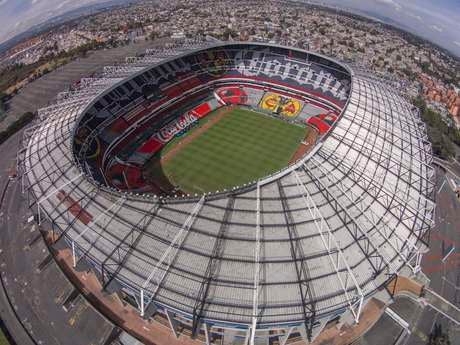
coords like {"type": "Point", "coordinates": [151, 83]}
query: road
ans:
{"type": "Point", "coordinates": [35, 286]}
{"type": "Point", "coordinates": [444, 275]}
{"type": "Point", "coordinates": [38, 93]}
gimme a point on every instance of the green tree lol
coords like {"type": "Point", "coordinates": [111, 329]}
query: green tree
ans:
{"type": "Point", "coordinates": [441, 135]}
{"type": "Point", "coordinates": [425, 66]}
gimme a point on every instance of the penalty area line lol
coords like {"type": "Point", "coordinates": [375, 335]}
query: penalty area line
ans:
{"type": "Point", "coordinates": [442, 186]}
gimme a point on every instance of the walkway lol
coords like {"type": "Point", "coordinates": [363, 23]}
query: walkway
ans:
{"type": "Point", "coordinates": [442, 305]}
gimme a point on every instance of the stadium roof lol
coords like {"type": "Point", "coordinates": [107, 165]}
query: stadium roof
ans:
{"type": "Point", "coordinates": [312, 241]}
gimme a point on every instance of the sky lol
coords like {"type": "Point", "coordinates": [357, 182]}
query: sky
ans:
{"type": "Point", "coordinates": [436, 20]}
{"type": "Point", "coordinates": [16, 16]}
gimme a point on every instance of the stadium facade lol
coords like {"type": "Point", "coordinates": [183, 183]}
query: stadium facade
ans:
{"type": "Point", "coordinates": [278, 257]}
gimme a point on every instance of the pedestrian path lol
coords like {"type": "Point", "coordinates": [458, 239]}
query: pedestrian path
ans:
{"type": "Point", "coordinates": [443, 306]}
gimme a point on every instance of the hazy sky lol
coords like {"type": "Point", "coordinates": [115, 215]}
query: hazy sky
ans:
{"type": "Point", "coordinates": [437, 20]}
{"type": "Point", "coordinates": [16, 16]}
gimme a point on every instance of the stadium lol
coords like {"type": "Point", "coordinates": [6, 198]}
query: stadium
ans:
{"type": "Point", "coordinates": [238, 192]}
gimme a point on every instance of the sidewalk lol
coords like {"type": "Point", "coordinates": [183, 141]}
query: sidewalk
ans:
{"type": "Point", "coordinates": [442, 305]}
{"type": "Point", "coordinates": [347, 334]}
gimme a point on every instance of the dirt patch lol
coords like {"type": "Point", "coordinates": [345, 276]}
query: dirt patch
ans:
{"type": "Point", "coordinates": [402, 284]}
{"type": "Point", "coordinates": [336, 334]}
{"type": "Point", "coordinates": [307, 144]}
{"type": "Point", "coordinates": [220, 113]}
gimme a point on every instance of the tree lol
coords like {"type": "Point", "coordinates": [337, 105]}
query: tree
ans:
{"type": "Point", "coordinates": [425, 66]}
{"type": "Point", "coordinates": [3, 99]}
{"type": "Point", "coordinates": [441, 135]}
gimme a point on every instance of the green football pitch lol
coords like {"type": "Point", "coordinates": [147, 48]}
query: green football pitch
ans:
{"type": "Point", "coordinates": [241, 147]}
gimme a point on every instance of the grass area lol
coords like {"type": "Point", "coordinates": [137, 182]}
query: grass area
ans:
{"type": "Point", "coordinates": [16, 76]}
{"type": "Point", "coordinates": [16, 126]}
{"type": "Point", "coordinates": [243, 146]}
{"type": "Point", "coordinates": [175, 140]}
{"type": "Point", "coordinates": [3, 340]}
{"type": "Point", "coordinates": [37, 72]}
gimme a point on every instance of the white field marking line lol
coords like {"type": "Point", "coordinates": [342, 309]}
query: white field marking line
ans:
{"type": "Point", "coordinates": [447, 255]}
{"type": "Point", "coordinates": [439, 190]}
{"type": "Point", "coordinates": [450, 283]}
{"type": "Point", "coordinates": [198, 187]}
{"type": "Point", "coordinates": [456, 161]}
{"type": "Point", "coordinates": [445, 167]}
{"type": "Point", "coordinates": [451, 182]}
{"type": "Point", "coordinates": [403, 323]}
{"type": "Point", "coordinates": [442, 291]}
{"type": "Point", "coordinates": [454, 185]}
